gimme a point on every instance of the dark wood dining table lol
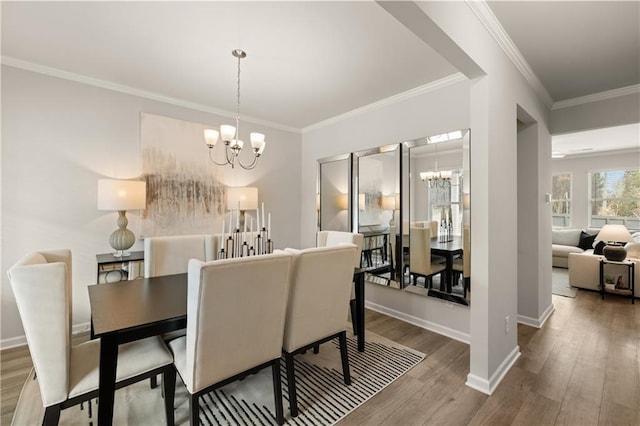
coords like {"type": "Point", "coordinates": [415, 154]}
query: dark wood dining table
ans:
{"type": "Point", "coordinates": [449, 250]}
{"type": "Point", "coordinates": [132, 310]}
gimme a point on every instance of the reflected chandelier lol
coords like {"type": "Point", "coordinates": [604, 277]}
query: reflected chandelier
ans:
{"type": "Point", "coordinates": [231, 135]}
{"type": "Point", "coordinates": [437, 179]}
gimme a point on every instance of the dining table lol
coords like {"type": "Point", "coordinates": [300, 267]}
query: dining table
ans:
{"type": "Point", "coordinates": [448, 249]}
{"type": "Point", "coordinates": [132, 310]}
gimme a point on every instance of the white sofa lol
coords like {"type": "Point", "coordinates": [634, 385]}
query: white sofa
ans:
{"type": "Point", "coordinates": [584, 268]}
{"type": "Point", "coordinates": [563, 243]}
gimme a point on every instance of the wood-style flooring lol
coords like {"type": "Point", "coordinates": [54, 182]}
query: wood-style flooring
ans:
{"type": "Point", "coordinates": [582, 368]}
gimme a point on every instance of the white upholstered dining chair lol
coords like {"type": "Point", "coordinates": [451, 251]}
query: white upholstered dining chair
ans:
{"type": "Point", "coordinates": [463, 266]}
{"type": "Point", "coordinates": [334, 238]}
{"type": "Point", "coordinates": [420, 260]}
{"type": "Point", "coordinates": [171, 254]}
{"type": "Point", "coordinates": [321, 282]}
{"type": "Point", "coordinates": [235, 322]}
{"type": "Point", "coordinates": [68, 375]}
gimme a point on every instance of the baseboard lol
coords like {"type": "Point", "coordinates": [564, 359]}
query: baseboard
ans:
{"type": "Point", "coordinates": [15, 342]}
{"type": "Point", "coordinates": [489, 386]}
{"type": "Point", "coordinates": [537, 322]}
{"type": "Point", "coordinates": [422, 323]}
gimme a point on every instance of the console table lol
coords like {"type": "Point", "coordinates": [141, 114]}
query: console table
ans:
{"type": "Point", "coordinates": [108, 263]}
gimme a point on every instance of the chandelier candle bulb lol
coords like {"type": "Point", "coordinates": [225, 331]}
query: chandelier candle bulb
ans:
{"type": "Point", "coordinates": [269, 227]}
{"type": "Point", "coordinates": [263, 222]}
{"type": "Point", "coordinates": [258, 220]}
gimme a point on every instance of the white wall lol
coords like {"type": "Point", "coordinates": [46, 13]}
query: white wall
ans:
{"type": "Point", "coordinates": [494, 101]}
{"type": "Point", "coordinates": [443, 110]}
{"type": "Point", "coordinates": [610, 112]}
{"type": "Point", "coordinates": [59, 137]}
{"type": "Point", "coordinates": [579, 167]}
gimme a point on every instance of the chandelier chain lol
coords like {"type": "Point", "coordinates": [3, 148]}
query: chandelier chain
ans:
{"type": "Point", "coordinates": [238, 102]}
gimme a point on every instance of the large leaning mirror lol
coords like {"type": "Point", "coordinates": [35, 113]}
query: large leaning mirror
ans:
{"type": "Point", "coordinates": [377, 188]}
{"type": "Point", "coordinates": [334, 192]}
{"type": "Point", "coordinates": [437, 241]}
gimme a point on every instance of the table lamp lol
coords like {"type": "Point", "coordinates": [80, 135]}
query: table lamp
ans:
{"type": "Point", "coordinates": [614, 235]}
{"type": "Point", "coordinates": [242, 199]}
{"type": "Point", "coordinates": [120, 196]}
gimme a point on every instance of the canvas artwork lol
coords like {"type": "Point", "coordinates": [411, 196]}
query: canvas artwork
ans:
{"type": "Point", "coordinates": [185, 193]}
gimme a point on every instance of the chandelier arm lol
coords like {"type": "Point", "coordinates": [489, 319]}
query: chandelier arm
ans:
{"type": "Point", "coordinates": [249, 166]}
{"type": "Point", "coordinates": [214, 161]}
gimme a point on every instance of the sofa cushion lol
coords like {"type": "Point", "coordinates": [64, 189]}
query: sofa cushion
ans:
{"type": "Point", "coordinates": [559, 250]}
{"type": "Point", "coordinates": [566, 237]}
{"type": "Point", "coordinates": [599, 246]}
{"type": "Point", "coordinates": [586, 240]}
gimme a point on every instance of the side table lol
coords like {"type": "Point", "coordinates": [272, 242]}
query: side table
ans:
{"type": "Point", "coordinates": [630, 292]}
{"type": "Point", "coordinates": [114, 269]}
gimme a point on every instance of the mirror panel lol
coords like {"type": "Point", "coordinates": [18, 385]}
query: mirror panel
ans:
{"type": "Point", "coordinates": [436, 242]}
{"type": "Point", "coordinates": [377, 190]}
{"type": "Point", "coordinates": [332, 200]}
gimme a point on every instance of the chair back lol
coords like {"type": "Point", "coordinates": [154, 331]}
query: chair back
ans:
{"type": "Point", "coordinates": [170, 255]}
{"type": "Point", "coordinates": [235, 316]}
{"type": "Point", "coordinates": [420, 251]}
{"type": "Point", "coordinates": [466, 252]}
{"type": "Point", "coordinates": [41, 284]}
{"type": "Point", "coordinates": [319, 294]}
{"type": "Point", "coordinates": [334, 238]}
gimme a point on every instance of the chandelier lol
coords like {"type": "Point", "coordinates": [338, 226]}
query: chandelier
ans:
{"type": "Point", "coordinates": [436, 179]}
{"type": "Point", "coordinates": [231, 135]}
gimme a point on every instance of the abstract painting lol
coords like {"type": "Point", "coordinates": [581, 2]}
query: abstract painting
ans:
{"type": "Point", "coordinates": [185, 193]}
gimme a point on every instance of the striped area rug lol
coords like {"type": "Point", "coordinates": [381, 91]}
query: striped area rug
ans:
{"type": "Point", "coordinates": [323, 399]}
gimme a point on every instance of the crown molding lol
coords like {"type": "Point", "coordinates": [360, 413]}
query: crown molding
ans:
{"type": "Point", "coordinates": [116, 87]}
{"type": "Point", "coordinates": [488, 19]}
{"type": "Point", "coordinates": [420, 90]}
{"type": "Point", "coordinates": [621, 151]}
{"type": "Point", "coordinates": [600, 96]}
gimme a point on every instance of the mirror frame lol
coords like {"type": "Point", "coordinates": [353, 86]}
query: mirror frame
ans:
{"type": "Point", "coordinates": [355, 219]}
{"type": "Point", "coordinates": [465, 196]}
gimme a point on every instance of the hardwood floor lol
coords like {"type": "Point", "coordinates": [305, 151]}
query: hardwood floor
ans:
{"type": "Point", "coordinates": [582, 368]}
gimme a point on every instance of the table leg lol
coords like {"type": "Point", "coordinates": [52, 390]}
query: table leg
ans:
{"type": "Point", "coordinates": [107, 380]}
{"type": "Point", "coordinates": [359, 283]}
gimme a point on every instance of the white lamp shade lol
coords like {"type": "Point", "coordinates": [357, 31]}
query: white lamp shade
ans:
{"type": "Point", "coordinates": [117, 195]}
{"type": "Point", "coordinates": [361, 202]}
{"type": "Point", "coordinates": [614, 233]}
{"type": "Point", "coordinates": [446, 174]}
{"type": "Point", "coordinates": [389, 202]}
{"type": "Point", "coordinates": [211, 136]}
{"type": "Point", "coordinates": [261, 150]}
{"type": "Point", "coordinates": [227, 132]}
{"type": "Point", "coordinates": [238, 143]}
{"type": "Point", "coordinates": [244, 197]}
{"type": "Point", "coordinates": [257, 140]}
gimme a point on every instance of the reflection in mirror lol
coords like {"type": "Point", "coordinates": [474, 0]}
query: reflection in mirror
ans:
{"type": "Point", "coordinates": [436, 244]}
{"type": "Point", "coordinates": [332, 200]}
{"type": "Point", "coordinates": [377, 188]}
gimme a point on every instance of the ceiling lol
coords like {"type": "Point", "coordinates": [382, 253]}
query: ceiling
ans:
{"type": "Point", "coordinates": [576, 48]}
{"type": "Point", "coordinates": [307, 61]}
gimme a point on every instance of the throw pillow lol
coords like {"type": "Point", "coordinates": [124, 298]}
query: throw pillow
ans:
{"type": "Point", "coordinates": [586, 240]}
{"type": "Point", "coordinates": [598, 248]}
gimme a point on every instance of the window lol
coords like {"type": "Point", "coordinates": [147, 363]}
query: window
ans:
{"type": "Point", "coordinates": [615, 198]}
{"type": "Point", "coordinates": [561, 199]}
